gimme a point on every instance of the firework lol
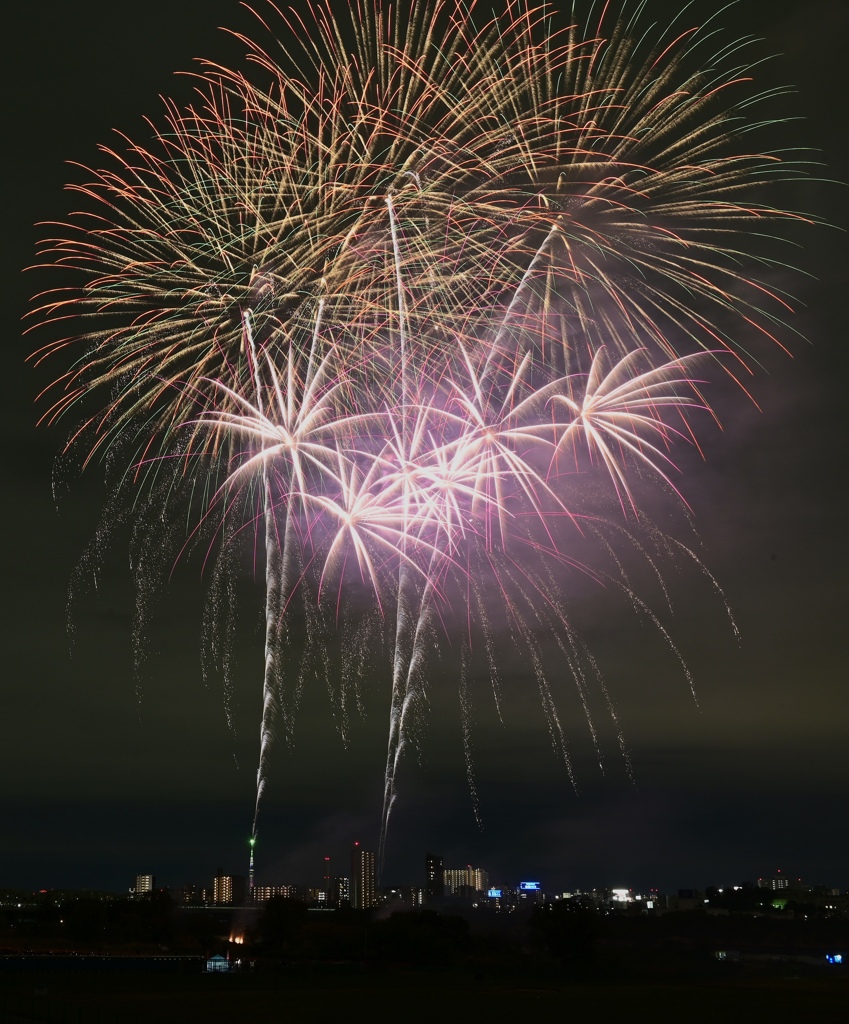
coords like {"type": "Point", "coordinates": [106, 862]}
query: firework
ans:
{"type": "Point", "coordinates": [387, 308]}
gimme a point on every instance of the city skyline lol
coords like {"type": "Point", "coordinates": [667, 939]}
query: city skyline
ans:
{"type": "Point", "coordinates": [756, 774]}
{"type": "Point", "coordinates": [229, 890]}
{"type": "Point", "coordinates": [438, 884]}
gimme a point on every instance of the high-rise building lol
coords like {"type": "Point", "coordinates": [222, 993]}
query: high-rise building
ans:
{"type": "Point", "coordinates": [190, 894]}
{"type": "Point", "coordinates": [144, 886]}
{"type": "Point", "coordinates": [478, 879]}
{"type": "Point", "coordinates": [455, 878]}
{"type": "Point", "coordinates": [228, 889]}
{"type": "Point", "coordinates": [466, 881]}
{"type": "Point", "coordinates": [362, 878]}
{"type": "Point", "coordinates": [434, 877]}
{"type": "Point", "coordinates": [222, 889]}
{"type": "Point", "coordinates": [342, 890]}
{"type": "Point", "coordinates": [404, 896]}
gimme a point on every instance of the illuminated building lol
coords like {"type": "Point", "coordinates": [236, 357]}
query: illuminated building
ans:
{"type": "Point", "coordinates": [405, 896]}
{"type": "Point", "coordinates": [362, 878]}
{"type": "Point", "coordinates": [228, 889]}
{"type": "Point", "coordinates": [342, 890]}
{"type": "Point", "coordinates": [263, 893]}
{"type": "Point", "coordinates": [144, 886]}
{"type": "Point", "coordinates": [190, 894]}
{"type": "Point", "coordinates": [222, 889]}
{"type": "Point", "coordinates": [434, 877]}
{"type": "Point", "coordinates": [774, 883]}
{"type": "Point", "coordinates": [465, 881]}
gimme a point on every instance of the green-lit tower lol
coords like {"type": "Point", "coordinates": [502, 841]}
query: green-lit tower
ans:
{"type": "Point", "coordinates": [251, 844]}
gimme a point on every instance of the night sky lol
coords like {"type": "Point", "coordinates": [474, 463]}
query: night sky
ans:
{"type": "Point", "coordinates": [96, 786]}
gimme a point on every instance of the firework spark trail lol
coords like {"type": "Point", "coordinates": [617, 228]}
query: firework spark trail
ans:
{"type": "Point", "coordinates": [360, 636]}
{"type": "Point", "coordinates": [599, 534]}
{"type": "Point", "coordinates": [611, 710]}
{"type": "Point", "coordinates": [148, 564]}
{"type": "Point", "coordinates": [290, 433]}
{"type": "Point", "coordinates": [366, 312]}
{"type": "Point", "coordinates": [549, 706]}
{"type": "Point", "coordinates": [275, 581]}
{"type": "Point", "coordinates": [466, 727]}
{"type": "Point", "coordinates": [555, 728]}
{"type": "Point", "coordinates": [475, 465]}
{"type": "Point", "coordinates": [401, 662]}
{"type": "Point", "coordinates": [219, 614]}
{"type": "Point", "coordinates": [90, 562]}
{"type": "Point", "coordinates": [407, 689]}
{"type": "Point", "coordinates": [489, 647]}
{"type": "Point", "coordinates": [644, 608]}
{"type": "Point", "coordinates": [579, 654]}
{"type": "Point", "coordinates": [713, 581]}
{"type": "Point", "coordinates": [440, 483]}
{"type": "Point", "coordinates": [640, 400]}
{"type": "Point", "coordinates": [566, 640]}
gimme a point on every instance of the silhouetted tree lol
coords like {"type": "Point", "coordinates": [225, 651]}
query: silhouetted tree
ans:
{"type": "Point", "coordinates": [568, 930]}
{"type": "Point", "coordinates": [420, 937]}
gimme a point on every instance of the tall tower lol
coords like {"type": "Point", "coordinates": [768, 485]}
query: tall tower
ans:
{"type": "Point", "coordinates": [326, 879]}
{"type": "Point", "coordinates": [362, 878]}
{"type": "Point", "coordinates": [434, 877]}
{"type": "Point", "coordinates": [251, 844]}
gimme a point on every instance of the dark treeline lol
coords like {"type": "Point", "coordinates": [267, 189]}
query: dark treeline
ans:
{"type": "Point", "coordinates": [569, 937]}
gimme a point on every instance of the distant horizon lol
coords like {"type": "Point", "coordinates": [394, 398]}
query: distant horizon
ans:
{"type": "Point", "coordinates": [340, 868]}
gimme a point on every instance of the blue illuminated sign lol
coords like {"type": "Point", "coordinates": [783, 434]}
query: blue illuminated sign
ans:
{"type": "Point", "coordinates": [494, 893]}
{"type": "Point", "coordinates": [834, 958]}
{"type": "Point", "coordinates": [529, 886]}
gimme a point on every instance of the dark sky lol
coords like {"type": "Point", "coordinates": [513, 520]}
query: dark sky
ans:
{"type": "Point", "coordinates": [95, 787]}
